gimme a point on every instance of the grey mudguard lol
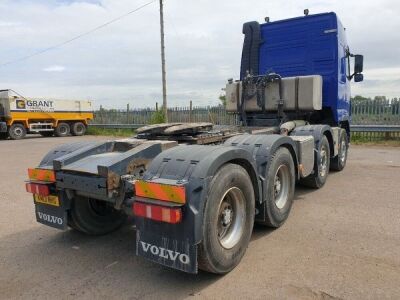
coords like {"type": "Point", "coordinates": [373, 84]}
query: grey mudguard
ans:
{"type": "Point", "coordinates": [262, 148]}
{"type": "Point", "coordinates": [195, 167]}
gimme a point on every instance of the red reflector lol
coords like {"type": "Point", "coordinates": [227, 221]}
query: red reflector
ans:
{"type": "Point", "coordinates": [39, 189]}
{"type": "Point", "coordinates": [157, 213]}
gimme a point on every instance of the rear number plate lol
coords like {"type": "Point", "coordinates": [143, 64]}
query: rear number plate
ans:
{"type": "Point", "coordinates": [49, 200]}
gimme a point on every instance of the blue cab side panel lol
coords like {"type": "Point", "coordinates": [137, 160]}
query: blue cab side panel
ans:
{"type": "Point", "coordinates": [344, 94]}
{"type": "Point", "coordinates": [309, 45]}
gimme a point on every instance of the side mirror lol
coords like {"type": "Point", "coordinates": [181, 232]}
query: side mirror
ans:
{"type": "Point", "coordinates": [358, 63]}
{"type": "Point", "coordinates": [358, 77]}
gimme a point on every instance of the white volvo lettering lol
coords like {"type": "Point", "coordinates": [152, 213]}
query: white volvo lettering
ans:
{"type": "Point", "coordinates": [172, 254]}
{"type": "Point", "coordinates": [50, 218]}
{"type": "Point", "coordinates": [154, 250]}
{"type": "Point", "coordinates": [165, 253]}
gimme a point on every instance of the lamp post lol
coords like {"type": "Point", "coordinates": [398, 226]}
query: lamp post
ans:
{"type": "Point", "coordinates": [164, 81]}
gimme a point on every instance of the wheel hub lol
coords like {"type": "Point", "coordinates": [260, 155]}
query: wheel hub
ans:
{"type": "Point", "coordinates": [227, 217]}
{"type": "Point", "coordinates": [18, 131]}
{"type": "Point", "coordinates": [277, 186]}
{"type": "Point", "coordinates": [323, 161]}
{"type": "Point", "coordinates": [281, 186]}
{"type": "Point", "coordinates": [343, 151]}
{"type": "Point", "coordinates": [231, 218]}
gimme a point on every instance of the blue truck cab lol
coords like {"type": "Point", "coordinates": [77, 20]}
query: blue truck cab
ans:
{"type": "Point", "coordinates": [301, 46]}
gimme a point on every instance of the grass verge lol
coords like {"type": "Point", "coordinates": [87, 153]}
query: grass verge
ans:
{"type": "Point", "coordinates": [110, 132]}
{"type": "Point", "coordinates": [360, 140]}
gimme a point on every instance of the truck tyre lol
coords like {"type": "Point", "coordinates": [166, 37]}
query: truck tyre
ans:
{"type": "Point", "coordinates": [228, 220]}
{"type": "Point", "coordinates": [280, 182]}
{"type": "Point", "coordinates": [94, 217]}
{"type": "Point", "coordinates": [321, 166]}
{"type": "Point", "coordinates": [339, 162]}
{"type": "Point", "coordinates": [17, 131]}
{"type": "Point", "coordinates": [78, 129]}
{"type": "Point", "coordinates": [3, 135]}
{"type": "Point", "coordinates": [46, 133]}
{"type": "Point", "coordinates": [62, 130]}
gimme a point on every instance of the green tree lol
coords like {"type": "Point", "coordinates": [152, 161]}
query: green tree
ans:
{"type": "Point", "coordinates": [158, 116]}
{"type": "Point", "coordinates": [222, 98]}
{"type": "Point", "coordinates": [360, 98]}
{"type": "Point", "coordinates": [380, 98]}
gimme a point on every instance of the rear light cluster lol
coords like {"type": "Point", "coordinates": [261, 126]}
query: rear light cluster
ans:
{"type": "Point", "coordinates": [39, 189]}
{"type": "Point", "coordinates": [158, 213]}
{"type": "Point", "coordinates": [168, 213]}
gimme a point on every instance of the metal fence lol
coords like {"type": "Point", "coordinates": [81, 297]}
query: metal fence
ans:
{"type": "Point", "coordinates": [214, 114]}
{"type": "Point", "coordinates": [375, 112]}
{"type": "Point", "coordinates": [364, 112]}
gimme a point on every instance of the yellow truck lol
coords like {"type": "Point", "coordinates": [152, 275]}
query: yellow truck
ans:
{"type": "Point", "coordinates": [48, 117]}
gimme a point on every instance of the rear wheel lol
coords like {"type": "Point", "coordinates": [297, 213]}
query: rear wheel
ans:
{"type": "Point", "coordinates": [17, 131]}
{"type": "Point", "coordinates": [321, 166]}
{"type": "Point", "coordinates": [3, 135]}
{"type": "Point", "coordinates": [280, 189]}
{"type": "Point", "coordinates": [339, 162]}
{"type": "Point", "coordinates": [228, 220]}
{"type": "Point", "coordinates": [62, 130]}
{"type": "Point", "coordinates": [78, 129]}
{"type": "Point", "coordinates": [94, 217]}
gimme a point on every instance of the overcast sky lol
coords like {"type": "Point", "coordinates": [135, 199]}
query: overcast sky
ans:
{"type": "Point", "coordinates": [121, 62]}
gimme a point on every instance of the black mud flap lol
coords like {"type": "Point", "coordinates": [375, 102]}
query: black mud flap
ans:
{"type": "Point", "coordinates": [175, 254]}
{"type": "Point", "coordinates": [55, 217]}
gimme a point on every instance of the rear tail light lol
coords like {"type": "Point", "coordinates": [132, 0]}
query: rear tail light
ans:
{"type": "Point", "coordinates": [39, 189]}
{"type": "Point", "coordinates": [158, 213]}
{"type": "Point", "coordinates": [160, 191]}
{"type": "Point", "coordinates": [42, 175]}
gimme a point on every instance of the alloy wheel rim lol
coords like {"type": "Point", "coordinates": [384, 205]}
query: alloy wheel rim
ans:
{"type": "Point", "coordinates": [343, 152]}
{"type": "Point", "coordinates": [323, 162]}
{"type": "Point", "coordinates": [63, 130]}
{"type": "Point", "coordinates": [18, 131]}
{"type": "Point", "coordinates": [231, 218]}
{"type": "Point", "coordinates": [281, 186]}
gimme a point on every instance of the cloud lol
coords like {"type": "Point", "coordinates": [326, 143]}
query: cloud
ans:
{"type": "Point", "coordinates": [9, 24]}
{"type": "Point", "coordinates": [54, 68]}
{"type": "Point", "coordinates": [121, 62]}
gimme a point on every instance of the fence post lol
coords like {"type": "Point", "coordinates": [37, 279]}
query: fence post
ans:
{"type": "Point", "coordinates": [127, 113]}
{"type": "Point", "coordinates": [209, 115]}
{"type": "Point", "coordinates": [190, 111]}
{"type": "Point", "coordinates": [101, 114]}
{"type": "Point", "coordinates": [156, 106]}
